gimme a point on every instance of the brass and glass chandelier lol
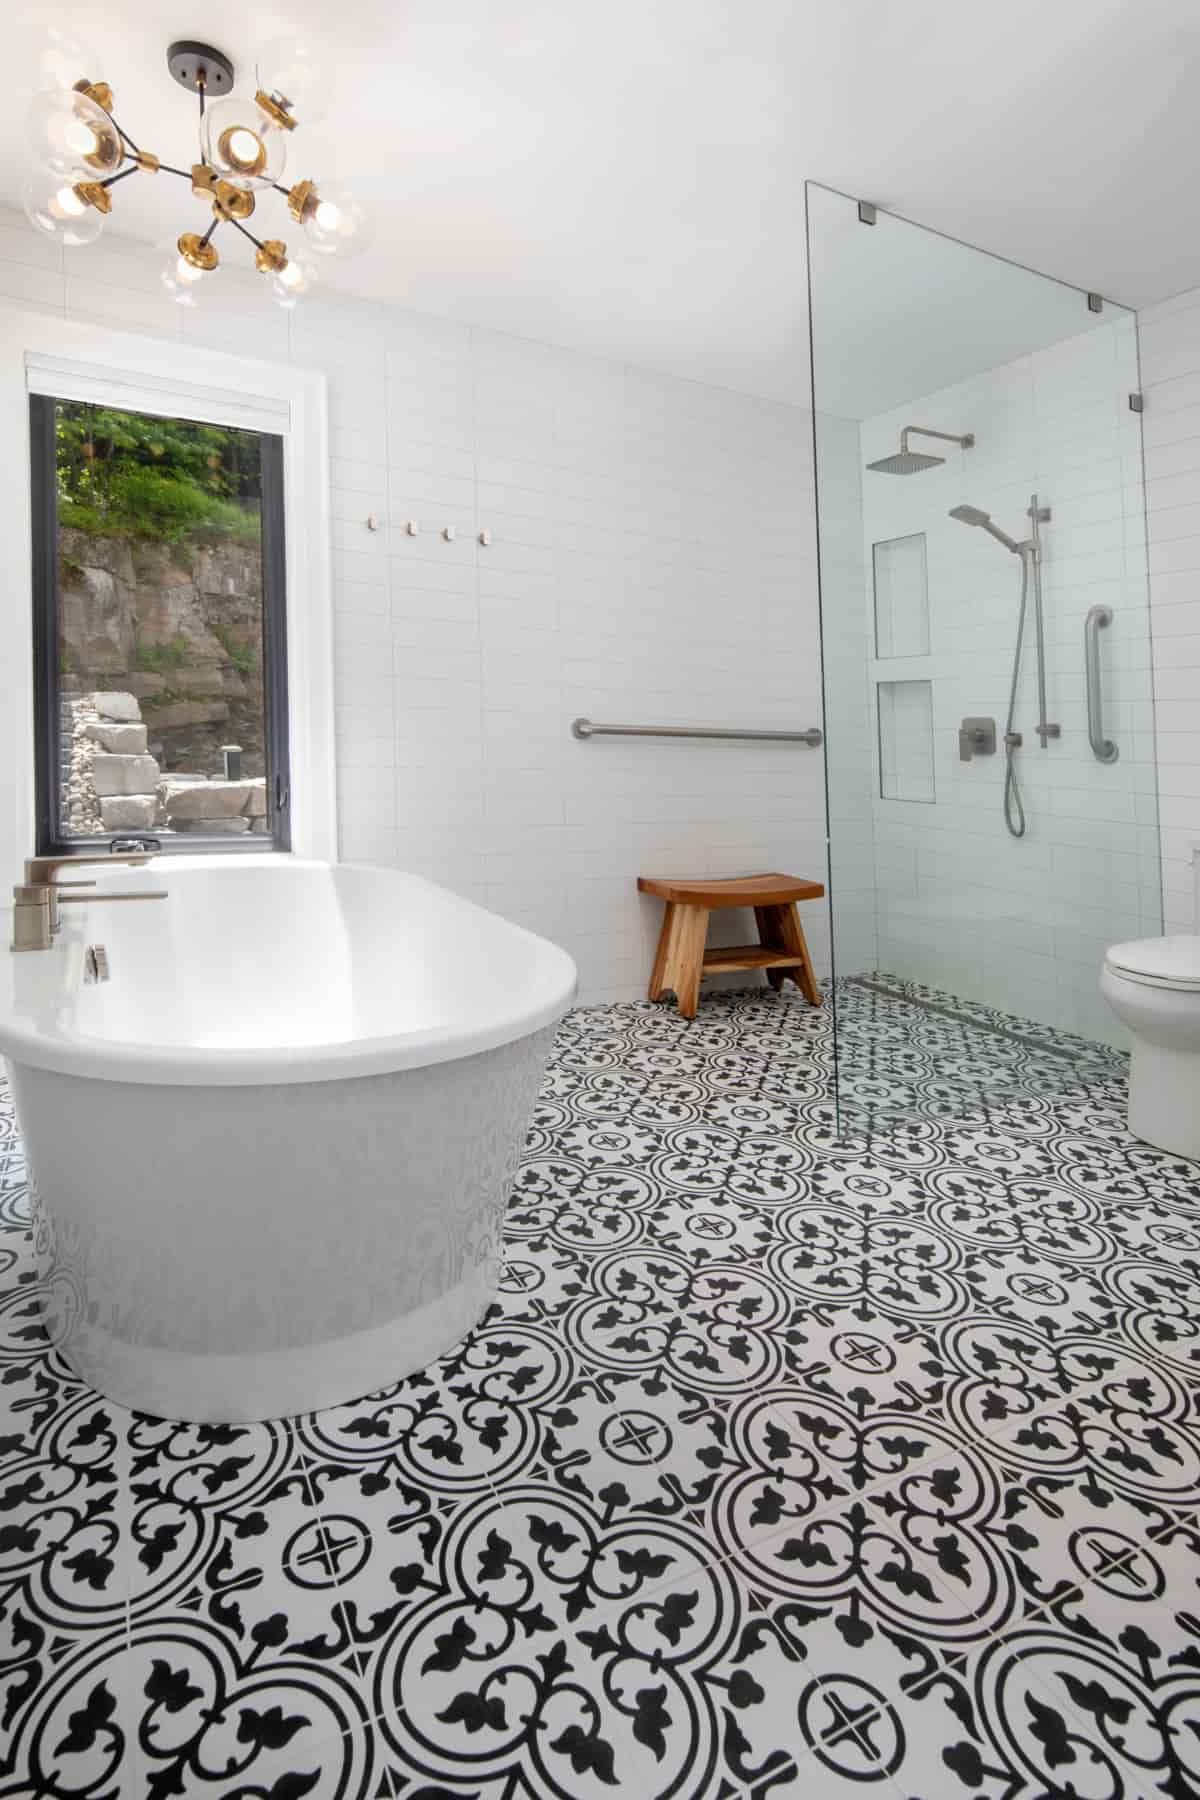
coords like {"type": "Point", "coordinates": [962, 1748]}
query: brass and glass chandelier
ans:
{"type": "Point", "coordinates": [81, 153]}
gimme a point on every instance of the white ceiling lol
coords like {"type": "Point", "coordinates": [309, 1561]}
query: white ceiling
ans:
{"type": "Point", "coordinates": [626, 176]}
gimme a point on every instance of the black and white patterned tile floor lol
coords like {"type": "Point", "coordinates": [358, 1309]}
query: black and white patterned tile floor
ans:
{"type": "Point", "coordinates": [790, 1462]}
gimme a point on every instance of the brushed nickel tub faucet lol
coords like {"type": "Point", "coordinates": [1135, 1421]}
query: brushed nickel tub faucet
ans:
{"type": "Point", "coordinates": [37, 899]}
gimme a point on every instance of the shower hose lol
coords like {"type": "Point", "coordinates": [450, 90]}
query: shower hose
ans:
{"type": "Point", "coordinates": [1014, 808]}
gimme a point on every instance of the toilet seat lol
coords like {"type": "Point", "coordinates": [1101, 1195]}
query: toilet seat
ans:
{"type": "Point", "coordinates": [1163, 962]}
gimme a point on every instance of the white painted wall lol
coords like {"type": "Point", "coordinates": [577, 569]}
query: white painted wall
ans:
{"type": "Point", "coordinates": [652, 559]}
{"type": "Point", "coordinates": [959, 904]}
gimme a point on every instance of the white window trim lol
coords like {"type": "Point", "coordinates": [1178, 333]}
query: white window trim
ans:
{"type": "Point", "coordinates": [183, 378]}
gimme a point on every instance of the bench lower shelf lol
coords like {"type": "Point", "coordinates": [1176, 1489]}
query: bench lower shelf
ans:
{"type": "Point", "coordinates": [747, 956]}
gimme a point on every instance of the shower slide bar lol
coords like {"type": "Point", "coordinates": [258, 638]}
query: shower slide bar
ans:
{"type": "Point", "coordinates": [586, 728]}
{"type": "Point", "coordinates": [1103, 749]}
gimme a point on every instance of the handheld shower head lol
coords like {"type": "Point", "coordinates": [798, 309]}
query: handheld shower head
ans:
{"type": "Point", "coordinates": [909, 462]}
{"type": "Point", "coordinates": [974, 515]}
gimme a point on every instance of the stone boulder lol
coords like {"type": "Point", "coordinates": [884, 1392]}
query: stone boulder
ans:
{"type": "Point", "coordinates": [187, 712]}
{"type": "Point", "coordinates": [211, 827]}
{"type": "Point", "coordinates": [125, 774]}
{"type": "Point", "coordinates": [121, 708]}
{"type": "Point", "coordinates": [206, 800]}
{"type": "Point", "coordinates": [256, 805]}
{"type": "Point", "coordinates": [122, 740]}
{"type": "Point", "coordinates": [129, 812]}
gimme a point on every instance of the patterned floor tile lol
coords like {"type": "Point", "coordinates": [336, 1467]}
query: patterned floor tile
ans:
{"type": "Point", "coordinates": [67, 1714]}
{"type": "Point", "coordinates": [226, 1537]}
{"type": "Point", "coordinates": [209, 1717]}
{"type": "Point", "coordinates": [796, 1457]}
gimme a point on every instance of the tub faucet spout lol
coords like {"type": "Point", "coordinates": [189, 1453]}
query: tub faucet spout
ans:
{"type": "Point", "coordinates": [37, 899]}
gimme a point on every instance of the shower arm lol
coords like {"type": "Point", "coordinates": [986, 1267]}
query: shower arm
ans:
{"type": "Point", "coordinates": [948, 437]}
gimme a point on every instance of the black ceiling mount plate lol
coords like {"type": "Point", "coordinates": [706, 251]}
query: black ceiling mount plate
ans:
{"type": "Point", "coordinates": [189, 61]}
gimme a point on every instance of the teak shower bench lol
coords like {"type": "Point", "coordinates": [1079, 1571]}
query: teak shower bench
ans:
{"type": "Point", "coordinates": [682, 958]}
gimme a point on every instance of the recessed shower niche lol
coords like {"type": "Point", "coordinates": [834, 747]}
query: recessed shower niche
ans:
{"type": "Point", "coordinates": [905, 740]}
{"type": "Point", "coordinates": [901, 588]}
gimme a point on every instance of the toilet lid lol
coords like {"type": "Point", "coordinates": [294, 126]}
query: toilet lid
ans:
{"type": "Point", "coordinates": [1163, 961]}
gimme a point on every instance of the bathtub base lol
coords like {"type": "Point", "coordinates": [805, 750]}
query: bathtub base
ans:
{"type": "Point", "coordinates": [223, 1255]}
{"type": "Point", "coordinates": [223, 1389]}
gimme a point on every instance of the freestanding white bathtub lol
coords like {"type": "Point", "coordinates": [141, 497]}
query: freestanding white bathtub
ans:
{"type": "Point", "coordinates": [271, 1152]}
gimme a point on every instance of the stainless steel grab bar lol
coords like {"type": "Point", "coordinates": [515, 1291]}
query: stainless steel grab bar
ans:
{"type": "Point", "coordinates": [585, 728]}
{"type": "Point", "coordinates": [1103, 749]}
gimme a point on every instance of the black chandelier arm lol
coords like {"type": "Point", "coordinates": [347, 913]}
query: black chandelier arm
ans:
{"type": "Point", "coordinates": [168, 169]}
{"type": "Point", "coordinates": [125, 138]}
{"type": "Point", "coordinates": [238, 226]}
{"type": "Point", "coordinates": [111, 180]}
{"type": "Point", "coordinates": [210, 231]}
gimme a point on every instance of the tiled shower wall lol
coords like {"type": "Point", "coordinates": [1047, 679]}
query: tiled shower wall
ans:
{"type": "Point", "coordinates": [1020, 925]}
{"type": "Point", "coordinates": [1170, 347]}
{"type": "Point", "coordinates": [652, 559]}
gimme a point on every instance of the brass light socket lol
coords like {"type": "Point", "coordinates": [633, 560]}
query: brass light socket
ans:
{"type": "Point", "coordinates": [204, 181]}
{"type": "Point", "coordinates": [196, 251]}
{"type": "Point", "coordinates": [270, 257]}
{"type": "Point", "coordinates": [149, 164]}
{"type": "Point", "coordinates": [99, 91]}
{"type": "Point", "coordinates": [275, 110]}
{"type": "Point", "coordinates": [94, 193]}
{"type": "Point", "coordinates": [233, 159]}
{"type": "Point", "coordinates": [302, 200]}
{"type": "Point", "coordinates": [230, 202]}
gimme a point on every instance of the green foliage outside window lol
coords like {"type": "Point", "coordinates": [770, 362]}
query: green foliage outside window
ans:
{"type": "Point", "coordinates": [133, 475]}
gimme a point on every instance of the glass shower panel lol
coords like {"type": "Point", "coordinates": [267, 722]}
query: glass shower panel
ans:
{"type": "Point", "coordinates": [1005, 507]}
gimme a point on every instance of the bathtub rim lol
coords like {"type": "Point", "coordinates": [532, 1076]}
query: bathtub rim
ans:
{"type": "Point", "coordinates": [116, 1060]}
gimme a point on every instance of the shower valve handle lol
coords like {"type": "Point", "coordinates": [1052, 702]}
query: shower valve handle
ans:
{"type": "Point", "coordinates": [976, 737]}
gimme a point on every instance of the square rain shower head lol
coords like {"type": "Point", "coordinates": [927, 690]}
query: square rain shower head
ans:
{"type": "Point", "coordinates": [906, 462]}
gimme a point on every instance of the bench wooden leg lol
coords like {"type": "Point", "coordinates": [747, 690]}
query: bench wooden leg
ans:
{"type": "Point", "coordinates": [779, 928]}
{"type": "Point", "coordinates": [680, 956]}
{"type": "Point", "coordinates": [687, 958]}
{"type": "Point", "coordinates": [662, 956]}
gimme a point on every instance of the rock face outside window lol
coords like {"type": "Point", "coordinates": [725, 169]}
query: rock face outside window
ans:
{"type": "Point", "coordinates": [160, 624]}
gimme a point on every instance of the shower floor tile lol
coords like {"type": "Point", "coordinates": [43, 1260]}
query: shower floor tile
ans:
{"type": "Point", "coordinates": [795, 1458]}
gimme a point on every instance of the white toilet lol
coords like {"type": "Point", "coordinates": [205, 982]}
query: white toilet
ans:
{"type": "Point", "coordinates": [1154, 987]}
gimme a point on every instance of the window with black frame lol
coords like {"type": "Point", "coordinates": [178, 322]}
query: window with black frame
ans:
{"type": "Point", "coordinates": [159, 631]}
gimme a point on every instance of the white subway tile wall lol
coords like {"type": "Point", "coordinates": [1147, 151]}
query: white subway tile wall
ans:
{"type": "Point", "coordinates": [1170, 350]}
{"type": "Point", "coordinates": [1024, 925]}
{"type": "Point", "coordinates": [652, 559]}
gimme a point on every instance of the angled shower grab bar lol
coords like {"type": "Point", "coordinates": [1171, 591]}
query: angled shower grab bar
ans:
{"type": "Point", "coordinates": [585, 728]}
{"type": "Point", "coordinates": [1103, 749]}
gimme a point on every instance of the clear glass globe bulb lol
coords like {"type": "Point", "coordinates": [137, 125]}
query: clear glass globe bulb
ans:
{"type": "Point", "coordinates": [181, 279]}
{"type": "Point", "coordinates": [291, 283]}
{"type": "Point", "coordinates": [62, 59]}
{"type": "Point", "coordinates": [55, 209]}
{"type": "Point", "coordinates": [295, 75]}
{"type": "Point", "coordinates": [242, 144]}
{"type": "Point", "coordinates": [68, 131]}
{"type": "Point", "coordinates": [338, 224]}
